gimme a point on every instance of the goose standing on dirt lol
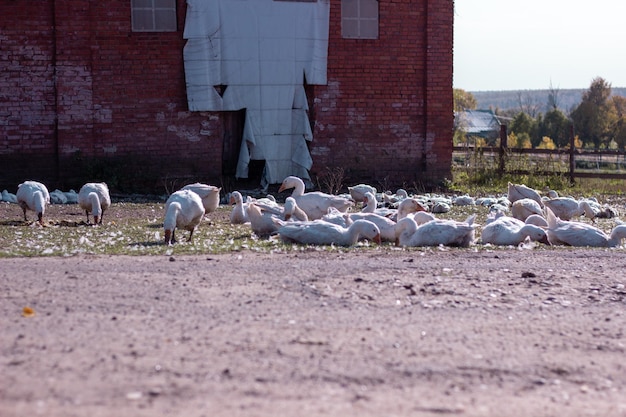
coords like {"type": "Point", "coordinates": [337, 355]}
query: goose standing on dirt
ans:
{"type": "Point", "coordinates": [183, 210]}
{"type": "Point", "coordinates": [509, 231]}
{"type": "Point", "coordinates": [436, 232]}
{"type": "Point", "coordinates": [315, 204]}
{"type": "Point", "coordinates": [94, 198]}
{"type": "Point", "coordinates": [33, 196]}
{"type": "Point", "coordinates": [320, 232]}
{"type": "Point", "coordinates": [209, 194]}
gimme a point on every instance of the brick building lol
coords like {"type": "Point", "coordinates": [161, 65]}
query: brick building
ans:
{"type": "Point", "coordinates": [97, 91]}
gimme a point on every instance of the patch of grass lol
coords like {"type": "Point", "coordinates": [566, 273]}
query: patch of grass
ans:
{"type": "Point", "coordinates": [135, 229]}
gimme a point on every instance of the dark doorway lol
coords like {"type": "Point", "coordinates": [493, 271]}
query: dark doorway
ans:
{"type": "Point", "coordinates": [233, 122]}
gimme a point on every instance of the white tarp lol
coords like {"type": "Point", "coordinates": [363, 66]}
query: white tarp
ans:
{"type": "Point", "coordinates": [261, 50]}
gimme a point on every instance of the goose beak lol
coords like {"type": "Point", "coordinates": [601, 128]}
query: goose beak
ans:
{"type": "Point", "coordinates": [40, 218]}
{"type": "Point", "coordinates": [231, 200]}
{"type": "Point", "coordinates": [545, 241]}
{"type": "Point", "coordinates": [377, 239]}
{"type": "Point", "coordinates": [282, 188]}
{"type": "Point", "coordinates": [168, 237]}
{"type": "Point", "coordinates": [95, 220]}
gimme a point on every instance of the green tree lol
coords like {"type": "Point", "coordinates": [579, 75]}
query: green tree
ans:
{"type": "Point", "coordinates": [556, 126]}
{"type": "Point", "coordinates": [464, 100]}
{"type": "Point", "coordinates": [594, 116]}
{"type": "Point", "coordinates": [522, 123]}
{"type": "Point", "coordinates": [619, 127]}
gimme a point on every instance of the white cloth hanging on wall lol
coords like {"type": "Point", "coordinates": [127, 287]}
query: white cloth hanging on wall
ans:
{"type": "Point", "coordinates": [261, 51]}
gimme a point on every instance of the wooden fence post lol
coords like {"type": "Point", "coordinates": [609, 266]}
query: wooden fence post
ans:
{"type": "Point", "coordinates": [572, 151]}
{"type": "Point", "coordinates": [503, 145]}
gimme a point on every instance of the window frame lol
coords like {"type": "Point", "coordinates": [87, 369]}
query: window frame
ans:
{"type": "Point", "coordinates": [352, 21]}
{"type": "Point", "coordinates": [155, 7]}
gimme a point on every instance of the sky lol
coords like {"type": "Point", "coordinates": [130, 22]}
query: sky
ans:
{"type": "Point", "coordinates": [535, 44]}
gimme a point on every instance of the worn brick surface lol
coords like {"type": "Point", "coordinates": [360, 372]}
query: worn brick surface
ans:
{"type": "Point", "coordinates": [118, 107]}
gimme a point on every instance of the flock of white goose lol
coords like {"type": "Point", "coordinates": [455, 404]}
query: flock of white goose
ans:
{"type": "Point", "coordinates": [318, 218]}
{"type": "Point", "coordinates": [522, 215]}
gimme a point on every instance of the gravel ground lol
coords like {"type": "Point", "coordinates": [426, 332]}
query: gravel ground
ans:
{"type": "Point", "coordinates": [383, 332]}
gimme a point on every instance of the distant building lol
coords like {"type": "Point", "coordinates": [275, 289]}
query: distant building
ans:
{"type": "Point", "coordinates": [478, 124]}
{"type": "Point", "coordinates": [144, 93]}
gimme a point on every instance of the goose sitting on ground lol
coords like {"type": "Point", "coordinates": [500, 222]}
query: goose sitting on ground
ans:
{"type": "Point", "coordinates": [289, 211]}
{"type": "Point", "coordinates": [33, 196]}
{"type": "Point", "coordinates": [209, 194]}
{"type": "Point", "coordinates": [394, 199]}
{"type": "Point", "coordinates": [370, 204]}
{"type": "Point", "coordinates": [315, 204]}
{"type": "Point", "coordinates": [359, 192]}
{"type": "Point", "coordinates": [537, 220]}
{"type": "Point", "coordinates": [71, 196]}
{"type": "Point", "coordinates": [57, 197]}
{"type": "Point", "coordinates": [94, 198]}
{"type": "Point", "coordinates": [524, 207]}
{"type": "Point", "coordinates": [509, 231]}
{"type": "Point", "coordinates": [320, 232]}
{"type": "Point", "coordinates": [183, 210]}
{"type": "Point", "coordinates": [9, 197]}
{"type": "Point", "coordinates": [261, 219]}
{"type": "Point", "coordinates": [239, 214]}
{"type": "Point", "coordinates": [422, 217]}
{"type": "Point", "coordinates": [562, 232]}
{"type": "Point", "coordinates": [435, 232]}
{"type": "Point", "coordinates": [406, 207]}
{"type": "Point", "coordinates": [386, 226]}
{"type": "Point", "coordinates": [520, 191]}
{"type": "Point", "coordinates": [566, 208]}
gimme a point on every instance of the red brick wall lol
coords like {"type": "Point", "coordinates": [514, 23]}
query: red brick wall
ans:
{"type": "Point", "coordinates": [118, 110]}
{"type": "Point", "coordinates": [120, 99]}
{"type": "Point", "coordinates": [386, 115]}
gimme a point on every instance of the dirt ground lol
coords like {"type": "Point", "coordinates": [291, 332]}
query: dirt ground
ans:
{"type": "Point", "coordinates": [376, 333]}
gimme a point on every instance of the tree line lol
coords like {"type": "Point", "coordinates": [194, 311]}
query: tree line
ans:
{"type": "Point", "coordinates": [598, 122]}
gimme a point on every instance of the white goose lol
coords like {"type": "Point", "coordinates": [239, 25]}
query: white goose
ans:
{"type": "Point", "coordinates": [537, 220]}
{"type": "Point", "coordinates": [209, 194]}
{"type": "Point", "coordinates": [183, 210]}
{"type": "Point", "coordinates": [359, 192]}
{"type": "Point", "coordinates": [565, 208]}
{"type": "Point", "coordinates": [370, 203]}
{"type": "Point", "coordinates": [315, 204]}
{"type": "Point", "coordinates": [289, 211]}
{"type": "Point", "coordinates": [239, 214]}
{"type": "Point", "coordinates": [562, 232]}
{"type": "Point", "coordinates": [406, 207]}
{"type": "Point", "coordinates": [34, 196]}
{"type": "Point", "coordinates": [261, 219]}
{"type": "Point", "coordinates": [386, 226]}
{"type": "Point", "coordinates": [9, 197]}
{"type": "Point", "coordinates": [507, 231]}
{"type": "Point", "coordinates": [320, 232]}
{"type": "Point", "coordinates": [520, 191]}
{"type": "Point", "coordinates": [94, 198]}
{"type": "Point", "coordinates": [524, 207]}
{"type": "Point", "coordinates": [435, 232]}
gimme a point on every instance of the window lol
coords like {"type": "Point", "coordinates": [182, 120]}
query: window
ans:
{"type": "Point", "coordinates": [153, 15]}
{"type": "Point", "coordinates": [359, 19]}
